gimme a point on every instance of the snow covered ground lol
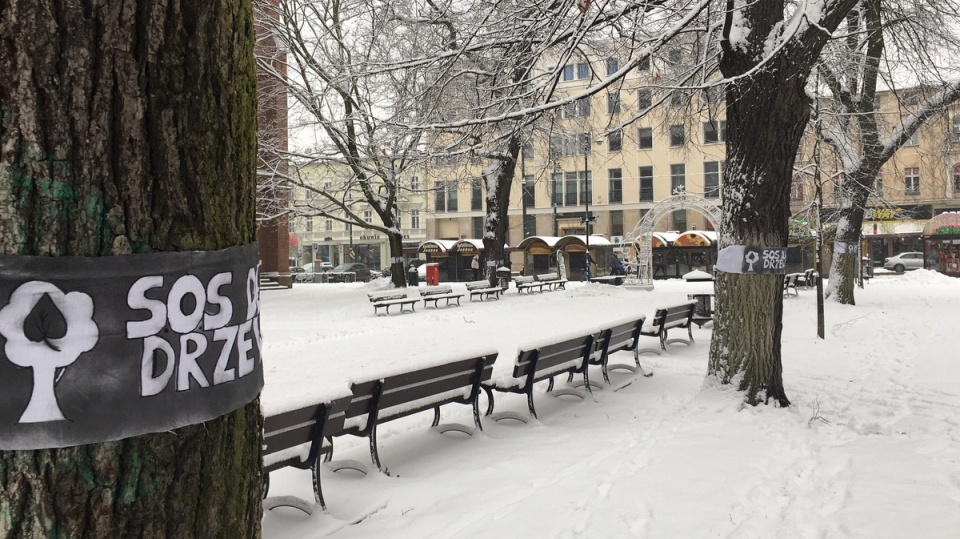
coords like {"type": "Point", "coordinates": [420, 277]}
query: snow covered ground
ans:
{"type": "Point", "coordinates": [870, 447]}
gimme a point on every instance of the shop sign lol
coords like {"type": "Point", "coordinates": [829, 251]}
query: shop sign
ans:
{"type": "Point", "coordinates": [898, 213]}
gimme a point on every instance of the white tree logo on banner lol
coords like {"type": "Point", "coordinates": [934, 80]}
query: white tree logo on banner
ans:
{"type": "Point", "coordinates": [46, 330]}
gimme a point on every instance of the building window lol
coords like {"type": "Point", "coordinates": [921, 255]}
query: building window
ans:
{"type": "Point", "coordinates": [616, 223]}
{"type": "Point", "coordinates": [911, 180]}
{"type": "Point", "coordinates": [615, 176]}
{"type": "Point", "coordinates": [368, 216]}
{"type": "Point", "coordinates": [308, 225]}
{"type": "Point", "coordinates": [446, 196]}
{"type": "Point", "coordinates": [677, 136]}
{"type": "Point", "coordinates": [570, 188]}
{"type": "Point", "coordinates": [328, 185]}
{"type": "Point", "coordinates": [529, 225]}
{"type": "Point", "coordinates": [328, 225]}
{"type": "Point", "coordinates": [878, 186]}
{"type": "Point", "coordinates": [955, 130]}
{"type": "Point", "coordinates": [714, 132]}
{"type": "Point", "coordinates": [646, 184]}
{"type": "Point", "coordinates": [680, 220]}
{"type": "Point", "coordinates": [476, 194]}
{"type": "Point", "coordinates": [956, 179]}
{"type": "Point", "coordinates": [579, 108]}
{"type": "Point", "coordinates": [644, 64]}
{"type": "Point", "coordinates": [613, 64]}
{"type": "Point", "coordinates": [414, 183]}
{"type": "Point", "coordinates": [711, 179]}
{"type": "Point", "coordinates": [615, 141]}
{"type": "Point", "coordinates": [556, 189]}
{"type": "Point", "coordinates": [613, 103]}
{"type": "Point", "coordinates": [913, 140]}
{"type": "Point", "coordinates": [645, 137]}
{"type": "Point", "coordinates": [678, 178]}
{"type": "Point", "coordinates": [529, 198]}
{"type": "Point", "coordinates": [415, 219]}
{"type": "Point", "coordinates": [477, 227]}
{"type": "Point", "coordinates": [796, 188]}
{"type": "Point", "coordinates": [568, 72]}
{"type": "Point", "coordinates": [674, 56]}
{"type": "Point", "coordinates": [569, 145]}
{"type": "Point", "coordinates": [713, 94]}
{"type": "Point", "coordinates": [644, 98]}
{"type": "Point", "coordinates": [527, 150]}
{"type": "Point", "coordinates": [678, 98]}
{"type": "Point", "coordinates": [583, 70]}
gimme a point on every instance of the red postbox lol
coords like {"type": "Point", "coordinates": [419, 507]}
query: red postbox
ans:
{"type": "Point", "coordinates": [433, 274]}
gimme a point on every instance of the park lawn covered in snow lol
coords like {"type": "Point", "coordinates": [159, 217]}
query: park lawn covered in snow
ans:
{"type": "Point", "coordinates": [870, 447]}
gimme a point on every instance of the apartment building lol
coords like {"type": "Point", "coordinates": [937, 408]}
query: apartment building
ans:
{"type": "Point", "coordinates": [325, 238]}
{"type": "Point", "coordinates": [582, 155]}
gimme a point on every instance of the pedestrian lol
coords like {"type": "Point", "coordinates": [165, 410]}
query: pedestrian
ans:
{"type": "Point", "coordinates": [616, 266]}
{"type": "Point", "coordinates": [475, 265]}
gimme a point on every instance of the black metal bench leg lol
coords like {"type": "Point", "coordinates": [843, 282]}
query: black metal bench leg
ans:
{"type": "Point", "coordinates": [476, 411]}
{"type": "Point", "coordinates": [533, 411]}
{"type": "Point", "coordinates": [606, 376]}
{"type": "Point", "coordinates": [489, 393]}
{"type": "Point", "coordinates": [266, 484]}
{"type": "Point", "coordinates": [374, 456]}
{"type": "Point", "coordinates": [586, 379]}
{"type": "Point", "coordinates": [549, 386]}
{"type": "Point", "coordinates": [690, 332]}
{"type": "Point", "coordinates": [436, 416]}
{"type": "Point", "coordinates": [317, 492]}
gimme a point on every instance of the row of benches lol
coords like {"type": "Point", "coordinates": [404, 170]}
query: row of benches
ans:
{"type": "Point", "coordinates": [405, 298]}
{"type": "Point", "coordinates": [373, 402]}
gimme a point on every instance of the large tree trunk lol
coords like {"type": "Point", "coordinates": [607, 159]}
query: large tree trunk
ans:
{"type": "Point", "coordinates": [767, 110]}
{"type": "Point", "coordinates": [130, 127]}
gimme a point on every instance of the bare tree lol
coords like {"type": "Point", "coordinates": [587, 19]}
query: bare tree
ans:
{"type": "Point", "coordinates": [768, 51]}
{"type": "Point", "coordinates": [345, 73]}
{"type": "Point", "coordinates": [852, 125]}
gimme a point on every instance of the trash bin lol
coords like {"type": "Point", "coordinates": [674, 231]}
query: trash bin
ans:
{"type": "Point", "coordinates": [413, 278]}
{"type": "Point", "coordinates": [867, 265]}
{"type": "Point", "coordinates": [433, 274]}
{"type": "Point", "coordinates": [503, 275]}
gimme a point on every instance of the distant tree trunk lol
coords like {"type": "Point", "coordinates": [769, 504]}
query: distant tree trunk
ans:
{"type": "Point", "coordinates": [767, 111]}
{"type": "Point", "coordinates": [499, 180]}
{"type": "Point", "coordinates": [397, 273]}
{"type": "Point", "coordinates": [130, 127]}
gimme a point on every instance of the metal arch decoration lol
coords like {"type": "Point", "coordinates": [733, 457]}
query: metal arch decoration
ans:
{"type": "Point", "coordinates": [643, 277]}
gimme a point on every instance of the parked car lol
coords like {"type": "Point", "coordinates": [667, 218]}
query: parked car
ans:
{"type": "Point", "coordinates": [361, 272]}
{"type": "Point", "coordinates": [903, 262]}
{"type": "Point", "coordinates": [301, 275]}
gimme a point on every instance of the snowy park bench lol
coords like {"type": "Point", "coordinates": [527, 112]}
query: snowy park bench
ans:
{"type": "Point", "coordinates": [295, 438]}
{"type": "Point", "coordinates": [667, 318]}
{"type": "Point", "coordinates": [528, 283]}
{"type": "Point", "coordinates": [552, 280]}
{"type": "Point", "coordinates": [436, 293]}
{"type": "Point", "coordinates": [482, 289]}
{"type": "Point", "coordinates": [615, 280]}
{"type": "Point", "coordinates": [624, 335]}
{"type": "Point", "coordinates": [390, 298]}
{"type": "Point", "coordinates": [377, 401]}
{"type": "Point", "coordinates": [542, 361]}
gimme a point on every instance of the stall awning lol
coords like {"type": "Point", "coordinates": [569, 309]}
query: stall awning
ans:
{"type": "Point", "coordinates": [436, 246]}
{"type": "Point", "coordinates": [945, 224]}
{"type": "Point", "coordinates": [538, 245]}
{"type": "Point", "coordinates": [660, 239]}
{"type": "Point", "coordinates": [696, 238]}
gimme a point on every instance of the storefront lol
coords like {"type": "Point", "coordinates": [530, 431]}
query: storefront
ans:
{"type": "Point", "coordinates": [575, 247]}
{"type": "Point", "coordinates": [697, 250]}
{"type": "Point", "coordinates": [941, 240]}
{"type": "Point", "coordinates": [892, 230]}
{"type": "Point", "coordinates": [438, 251]}
{"type": "Point", "coordinates": [538, 254]}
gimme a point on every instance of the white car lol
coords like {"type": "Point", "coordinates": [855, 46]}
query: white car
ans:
{"type": "Point", "coordinates": [903, 262]}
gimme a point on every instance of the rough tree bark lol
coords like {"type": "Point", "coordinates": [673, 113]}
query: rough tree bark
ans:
{"type": "Point", "coordinates": [499, 180]}
{"type": "Point", "coordinates": [130, 127]}
{"type": "Point", "coordinates": [767, 110]}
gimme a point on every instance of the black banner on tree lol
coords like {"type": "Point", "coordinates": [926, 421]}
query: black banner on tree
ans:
{"type": "Point", "coordinates": [752, 260]}
{"type": "Point", "coordinates": [95, 349]}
